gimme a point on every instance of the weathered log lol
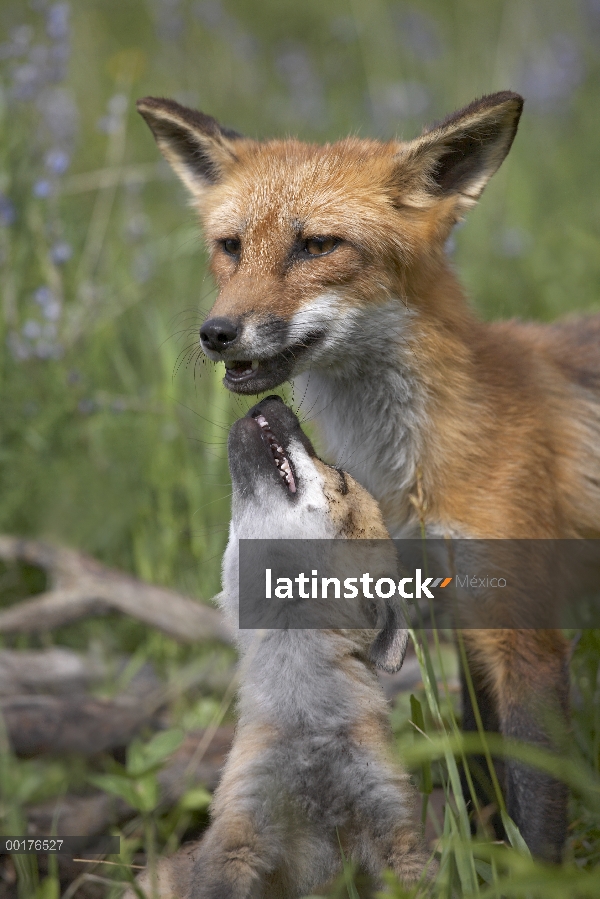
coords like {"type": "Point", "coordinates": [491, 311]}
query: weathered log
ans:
{"type": "Point", "coordinates": [79, 723]}
{"type": "Point", "coordinates": [62, 671]}
{"type": "Point", "coordinates": [54, 670]}
{"type": "Point", "coordinates": [93, 814]}
{"type": "Point", "coordinates": [80, 586]}
{"type": "Point", "coordinates": [80, 816]}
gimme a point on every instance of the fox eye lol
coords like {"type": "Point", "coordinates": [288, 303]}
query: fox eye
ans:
{"type": "Point", "coordinates": [232, 246]}
{"type": "Point", "coordinates": [320, 246]}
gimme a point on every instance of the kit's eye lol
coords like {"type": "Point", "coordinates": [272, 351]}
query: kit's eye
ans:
{"type": "Point", "coordinates": [320, 246]}
{"type": "Point", "coordinates": [232, 246]}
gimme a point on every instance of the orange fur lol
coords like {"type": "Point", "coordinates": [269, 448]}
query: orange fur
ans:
{"type": "Point", "coordinates": [501, 421]}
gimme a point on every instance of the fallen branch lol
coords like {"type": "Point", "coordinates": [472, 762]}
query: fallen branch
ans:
{"type": "Point", "coordinates": [59, 724]}
{"type": "Point", "coordinates": [54, 670]}
{"type": "Point", "coordinates": [80, 586]}
{"type": "Point", "coordinates": [76, 722]}
{"type": "Point", "coordinates": [94, 814]}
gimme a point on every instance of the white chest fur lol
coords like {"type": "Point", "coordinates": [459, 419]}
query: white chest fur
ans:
{"type": "Point", "coordinates": [369, 407]}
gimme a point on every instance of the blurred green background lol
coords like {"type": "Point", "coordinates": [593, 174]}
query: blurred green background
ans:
{"type": "Point", "coordinates": [112, 426]}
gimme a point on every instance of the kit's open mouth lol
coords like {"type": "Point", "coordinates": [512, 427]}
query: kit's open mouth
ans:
{"type": "Point", "coordinates": [278, 454]}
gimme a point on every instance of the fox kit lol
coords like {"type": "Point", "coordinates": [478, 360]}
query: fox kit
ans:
{"type": "Point", "coordinates": [310, 774]}
{"type": "Point", "coordinates": [332, 271]}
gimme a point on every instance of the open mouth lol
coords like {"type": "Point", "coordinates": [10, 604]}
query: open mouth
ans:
{"type": "Point", "coordinates": [280, 459]}
{"type": "Point", "coordinates": [254, 376]}
{"type": "Point", "coordinates": [237, 372]}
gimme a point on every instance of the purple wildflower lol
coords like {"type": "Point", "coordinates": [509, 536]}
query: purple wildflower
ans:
{"type": "Point", "coordinates": [57, 161]}
{"type": "Point", "coordinates": [7, 211]}
{"type": "Point", "coordinates": [61, 252]}
{"type": "Point", "coordinates": [57, 21]}
{"type": "Point", "coordinates": [31, 329]}
{"type": "Point", "coordinates": [86, 406]}
{"type": "Point", "coordinates": [42, 189]}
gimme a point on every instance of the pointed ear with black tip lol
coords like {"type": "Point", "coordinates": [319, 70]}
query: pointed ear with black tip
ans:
{"type": "Point", "coordinates": [195, 145]}
{"type": "Point", "coordinates": [458, 156]}
{"type": "Point", "coordinates": [389, 646]}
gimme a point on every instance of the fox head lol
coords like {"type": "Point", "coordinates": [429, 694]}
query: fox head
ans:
{"type": "Point", "coordinates": [306, 241]}
{"type": "Point", "coordinates": [285, 498]}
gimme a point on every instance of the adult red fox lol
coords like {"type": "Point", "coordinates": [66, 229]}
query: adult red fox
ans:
{"type": "Point", "coordinates": [332, 271]}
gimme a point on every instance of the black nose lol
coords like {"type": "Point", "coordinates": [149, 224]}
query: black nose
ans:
{"type": "Point", "coordinates": [218, 333]}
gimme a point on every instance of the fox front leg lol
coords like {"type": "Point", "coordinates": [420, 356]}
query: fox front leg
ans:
{"type": "Point", "coordinates": [474, 772]}
{"type": "Point", "coordinates": [527, 674]}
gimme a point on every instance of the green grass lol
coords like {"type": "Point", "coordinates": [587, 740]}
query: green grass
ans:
{"type": "Point", "coordinates": [113, 430]}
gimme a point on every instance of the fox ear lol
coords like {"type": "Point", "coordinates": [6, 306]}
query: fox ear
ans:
{"type": "Point", "coordinates": [194, 144]}
{"type": "Point", "coordinates": [389, 646]}
{"type": "Point", "coordinates": [459, 155]}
